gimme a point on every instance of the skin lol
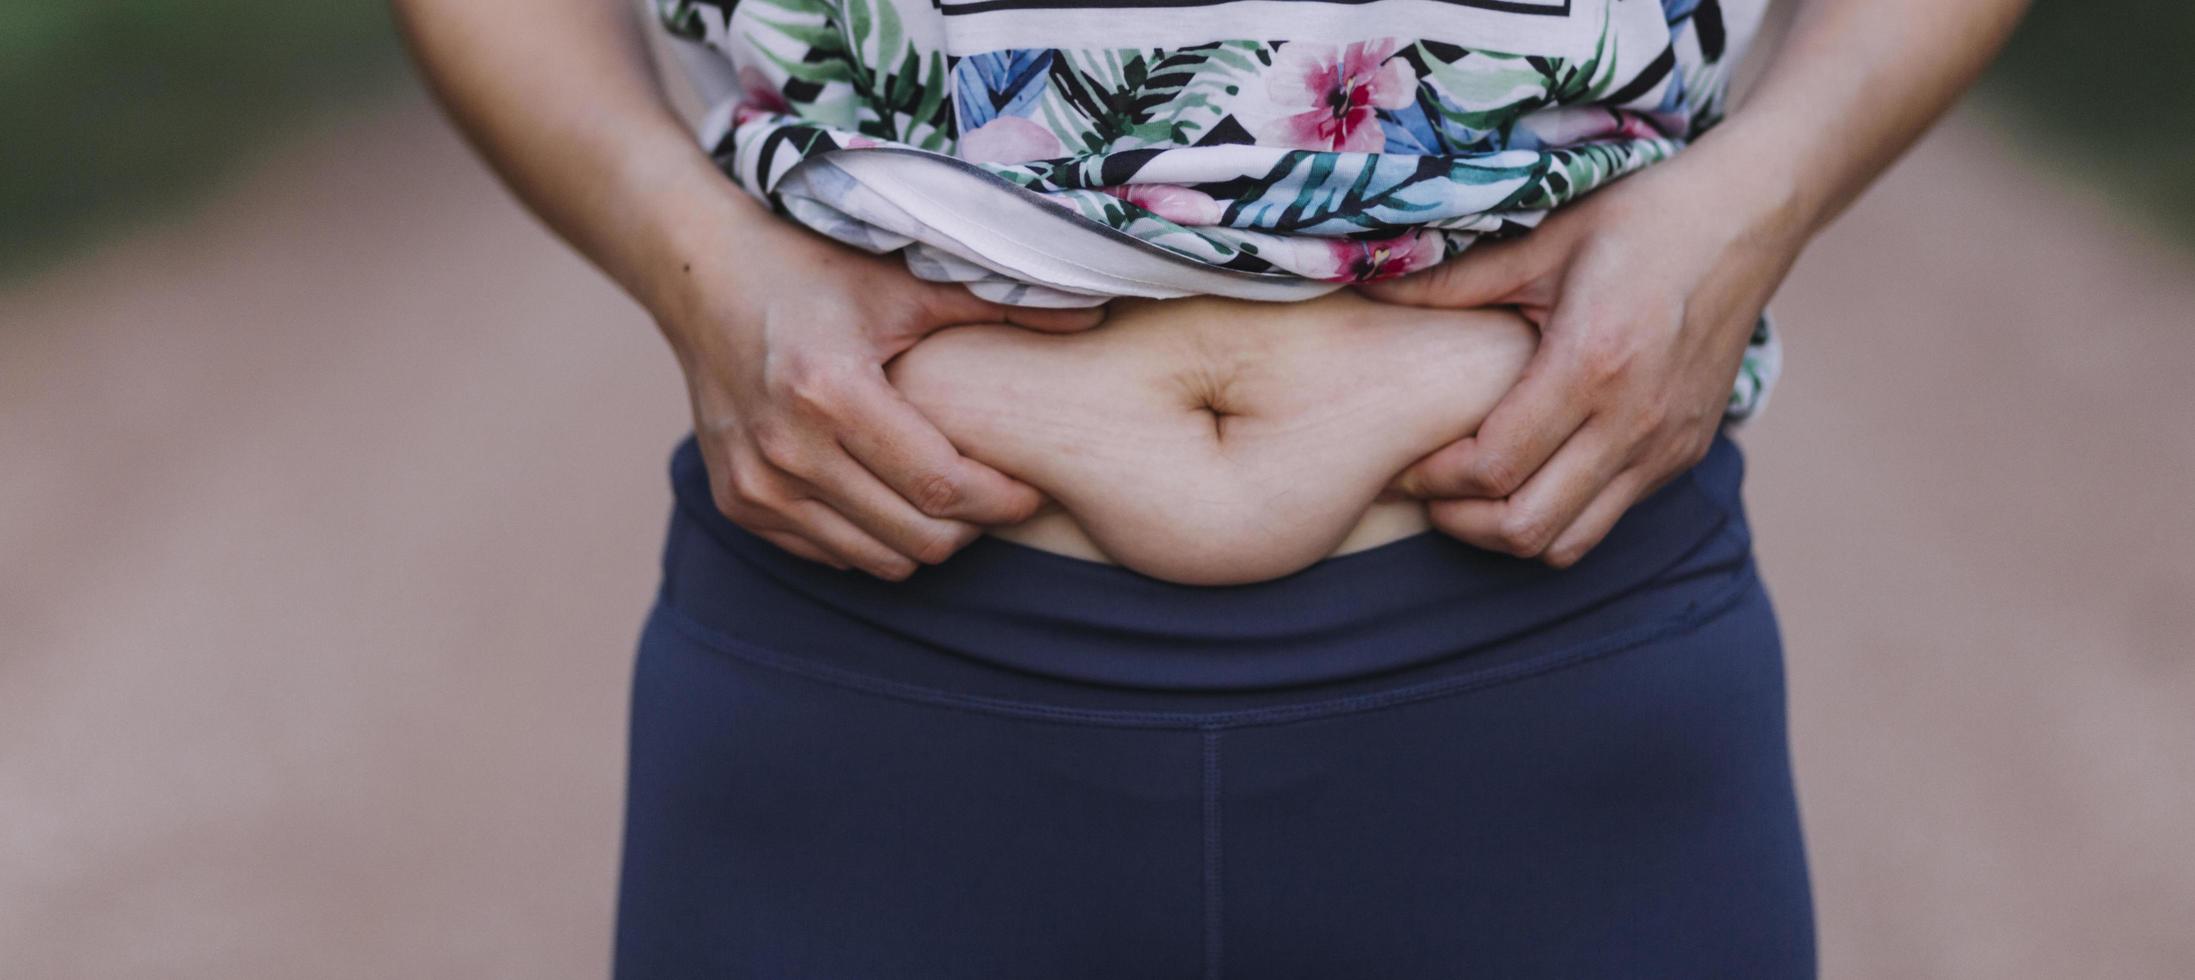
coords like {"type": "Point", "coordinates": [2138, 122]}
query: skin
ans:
{"type": "Point", "coordinates": [1646, 291]}
{"type": "Point", "coordinates": [782, 334]}
{"type": "Point", "coordinates": [1216, 442]}
{"type": "Point", "coordinates": [1643, 293]}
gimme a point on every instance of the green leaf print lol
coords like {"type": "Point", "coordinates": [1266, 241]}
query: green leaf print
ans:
{"type": "Point", "coordinates": [818, 72]}
{"type": "Point", "coordinates": [1484, 93]}
{"type": "Point", "coordinates": [681, 18]}
{"type": "Point", "coordinates": [1577, 169]}
{"type": "Point", "coordinates": [1124, 99]}
{"type": "Point", "coordinates": [814, 37]}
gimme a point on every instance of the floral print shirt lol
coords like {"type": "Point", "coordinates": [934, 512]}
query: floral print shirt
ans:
{"type": "Point", "coordinates": [1304, 142]}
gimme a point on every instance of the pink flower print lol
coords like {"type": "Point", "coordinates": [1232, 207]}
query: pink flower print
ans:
{"type": "Point", "coordinates": [1357, 260]}
{"type": "Point", "coordinates": [1175, 203]}
{"type": "Point", "coordinates": [1008, 139]}
{"type": "Point", "coordinates": [860, 143]}
{"type": "Point", "coordinates": [1637, 126]}
{"type": "Point", "coordinates": [1573, 125]}
{"type": "Point", "coordinates": [758, 97]}
{"type": "Point", "coordinates": [1339, 92]}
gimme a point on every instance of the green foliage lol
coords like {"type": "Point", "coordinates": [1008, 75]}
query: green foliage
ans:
{"type": "Point", "coordinates": [113, 106]}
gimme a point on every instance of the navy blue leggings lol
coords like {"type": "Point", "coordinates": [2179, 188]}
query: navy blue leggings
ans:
{"type": "Point", "coordinates": [1418, 761]}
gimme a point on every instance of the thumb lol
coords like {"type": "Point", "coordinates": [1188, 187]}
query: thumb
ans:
{"type": "Point", "coordinates": [953, 303]}
{"type": "Point", "coordinates": [1053, 319]}
{"type": "Point", "coordinates": [1486, 274]}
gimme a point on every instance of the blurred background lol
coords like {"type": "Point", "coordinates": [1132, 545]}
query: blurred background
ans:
{"type": "Point", "coordinates": [330, 488]}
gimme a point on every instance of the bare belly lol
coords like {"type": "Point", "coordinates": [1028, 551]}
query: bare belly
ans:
{"type": "Point", "coordinates": [1212, 441]}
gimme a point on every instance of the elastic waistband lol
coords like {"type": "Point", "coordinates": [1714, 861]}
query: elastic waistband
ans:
{"type": "Point", "coordinates": [1398, 605]}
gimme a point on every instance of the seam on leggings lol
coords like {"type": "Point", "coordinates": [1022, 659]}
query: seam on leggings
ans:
{"type": "Point", "coordinates": [1213, 890]}
{"type": "Point", "coordinates": [1695, 615]}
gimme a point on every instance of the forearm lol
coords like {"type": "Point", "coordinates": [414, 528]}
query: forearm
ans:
{"type": "Point", "coordinates": [562, 98]}
{"type": "Point", "coordinates": [1853, 85]}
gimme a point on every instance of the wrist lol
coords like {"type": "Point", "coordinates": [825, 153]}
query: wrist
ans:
{"type": "Point", "coordinates": [1765, 171]}
{"type": "Point", "coordinates": [679, 235]}
{"type": "Point", "coordinates": [684, 228]}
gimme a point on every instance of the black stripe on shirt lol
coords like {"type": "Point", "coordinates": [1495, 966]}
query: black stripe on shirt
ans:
{"type": "Point", "coordinates": [1707, 20]}
{"type": "Point", "coordinates": [1647, 79]}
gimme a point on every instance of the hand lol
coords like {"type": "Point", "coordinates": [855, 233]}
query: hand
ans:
{"type": "Point", "coordinates": [1645, 293]}
{"type": "Point", "coordinates": [807, 444]}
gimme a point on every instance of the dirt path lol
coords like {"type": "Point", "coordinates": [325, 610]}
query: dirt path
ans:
{"type": "Point", "coordinates": [329, 516]}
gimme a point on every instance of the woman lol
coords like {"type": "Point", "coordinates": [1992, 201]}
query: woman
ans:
{"type": "Point", "coordinates": [1406, 630]}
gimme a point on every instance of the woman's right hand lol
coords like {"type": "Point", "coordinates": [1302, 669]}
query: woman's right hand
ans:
{"type": "Point", "coordinates": [783, 341]}
{"type": "Point", "coordinates": [783, 333]}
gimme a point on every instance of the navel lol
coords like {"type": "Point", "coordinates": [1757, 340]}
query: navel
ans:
{"type": "Point", "coordinates": [1220, 417]}
{"type": "Point", "coordinates": [1209, 392]}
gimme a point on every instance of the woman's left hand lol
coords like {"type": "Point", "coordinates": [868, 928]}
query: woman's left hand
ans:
{"type": "Point", "coordinates": [1645, 293]}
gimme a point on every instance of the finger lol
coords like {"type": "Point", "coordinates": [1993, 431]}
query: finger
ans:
{"type": "Point", "coordinates": [1054, 320]}
{"type": "Point", "coordinates": [760, 498]}
{"type": "Point", "coordinates": [817, 522]}
{"type": "Point", "coordinates": [1475, 521]}
{"type": "Point", "coordinates": [1438, 474]}
{"type": "Point", "coordinates": [1486, 274]}
{"type": "Point", "coordinates": [894, 441]}
{"type": "Point", "coordinates": [1552, 499]}
{"type": "Point", "coordinates": [753, 497]}
{"type": "Point", "coordinates": [1526, 523]}
{"type": "Point", "coordinates": [1597, 519]}
{"type": "Point", "coordinates": [860, 497]}
{"type": "Point", "coordinates": [1533, 418]}
{"type": "Point", "coordinates": [952, 303]}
